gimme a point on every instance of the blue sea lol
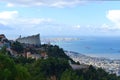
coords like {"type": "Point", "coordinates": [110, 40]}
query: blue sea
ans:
{"type": "Point", "coordinates": [107, 47]}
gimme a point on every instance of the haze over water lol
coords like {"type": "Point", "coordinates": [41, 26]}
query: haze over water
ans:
{"type": "Point", "coordinates": [108, 47]}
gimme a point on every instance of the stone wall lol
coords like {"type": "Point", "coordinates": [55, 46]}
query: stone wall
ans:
{"type": "Point", "coordinates": [34, 39]}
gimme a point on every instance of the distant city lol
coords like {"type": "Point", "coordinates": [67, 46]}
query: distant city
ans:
{"type": "Point", "coordinates": [59, 39]}
{"type": "Point", "coordinates": [111, 66]}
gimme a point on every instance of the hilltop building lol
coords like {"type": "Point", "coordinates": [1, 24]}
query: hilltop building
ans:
{"type": "Point", "coordinates": [33, 40]}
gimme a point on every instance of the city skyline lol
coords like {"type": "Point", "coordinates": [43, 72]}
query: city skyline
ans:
{"type": "Point", "coordinates": [59, 18]}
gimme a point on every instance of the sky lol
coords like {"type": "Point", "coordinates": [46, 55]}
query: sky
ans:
{"type": "Point", "coordinates": [59, 18]}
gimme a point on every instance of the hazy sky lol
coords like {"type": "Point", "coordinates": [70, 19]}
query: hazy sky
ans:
{"type": "Point", "coordinates": [59, 18]}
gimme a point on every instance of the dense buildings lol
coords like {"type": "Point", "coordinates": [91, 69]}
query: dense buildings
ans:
{"type": "Point", "coordinates": [111, 66]}
{"type": "Point", "coordinates": [34, 40]}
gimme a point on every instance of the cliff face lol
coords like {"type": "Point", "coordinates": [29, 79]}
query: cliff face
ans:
{"type": "Point", "coordinates": [34, 39]}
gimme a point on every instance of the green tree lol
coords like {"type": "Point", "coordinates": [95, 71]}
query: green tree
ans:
{"type": "Point", "coordinates": [70, 75]}
{"type": "Point", "coordinates": [51, 68]}
{"type": "Point", "coordinates": [21, 73]}
{"type": "Point", "coordinates": [23, 60]}
{"type": "Point", "coordinates": [6, 74]}
{"type": "Point", "coordinates": [7, 67]}
{"type": "Point", "coordinates": [3, 50]}
{"type": "Point", "coordinates": [10, 71]}
{"type": "Point", "coordinates": [17, 47]}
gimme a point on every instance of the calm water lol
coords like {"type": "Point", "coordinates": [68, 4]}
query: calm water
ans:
{"type": "Point", "coordinates": [108, 47]}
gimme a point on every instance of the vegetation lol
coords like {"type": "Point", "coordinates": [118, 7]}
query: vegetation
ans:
{"type": "Point", "coordinates": [54, 51]}
{"type": "Point", "coordinates": [11, 71]}
{"type": "Point", "coordinates": [3, 50]}
{"type": "Point", "coordinates": [17, 47]}
{"type": "Point", "coordinates": [55, 67]}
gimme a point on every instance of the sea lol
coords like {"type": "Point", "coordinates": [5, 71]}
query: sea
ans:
{"type": "Point", "coordinates": [105, 47]}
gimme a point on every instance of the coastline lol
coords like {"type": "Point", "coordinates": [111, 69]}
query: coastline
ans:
{"type": "Point", "coordinates": [106, 55]}
{"type": "Point", "coordinates": [98, 55]}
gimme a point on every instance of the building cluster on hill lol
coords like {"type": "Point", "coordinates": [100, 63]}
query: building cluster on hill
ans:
{"type": "Point", "coordinates": [28, 47]}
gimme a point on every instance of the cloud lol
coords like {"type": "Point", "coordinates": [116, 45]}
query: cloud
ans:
{"type": "Point", "coordinates": [114, 17]}
{"type": "Point", "coordinates": [13, 18]}
{"type": "Point", "coordinates": [78, 26]}
{"type": "Point", "coordinates": [66, 3]}
{"type": "Point", "coordinates": [8, 14]}
{"type": "Point", "coordinates": [12, 23]}
{"type": "Point", "coordinates": [32, 21]}
{"type": "Point", "coordinates": [105, 28]}
{"type": "Point", "coordinates": [51, 3]}
{"type": "Point", "coordinates": [10, 5]}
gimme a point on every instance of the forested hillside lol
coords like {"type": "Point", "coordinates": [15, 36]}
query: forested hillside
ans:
{"type": "Point", "coordinates": [55, 67]}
